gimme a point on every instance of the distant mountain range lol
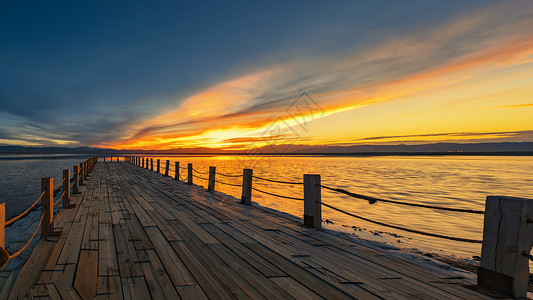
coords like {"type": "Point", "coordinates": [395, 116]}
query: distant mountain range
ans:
{"type": "Point", "coordinates": [523, 148]}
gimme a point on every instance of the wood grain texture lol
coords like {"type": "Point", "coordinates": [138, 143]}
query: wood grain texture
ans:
{"type": "Point", "coordinates": [134, 234]}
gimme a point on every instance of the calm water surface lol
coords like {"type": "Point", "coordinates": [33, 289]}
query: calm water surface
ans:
{"type": "Point", "coordinates": [458, 181]}
{"type": "Point", "coordinates": [449, 181]}
{"type": "Point", "coordinates": [20, 177]}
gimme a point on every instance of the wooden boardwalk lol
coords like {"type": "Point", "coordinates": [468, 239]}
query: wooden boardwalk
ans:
{"type": "Point", "coordinates": [135, 234]}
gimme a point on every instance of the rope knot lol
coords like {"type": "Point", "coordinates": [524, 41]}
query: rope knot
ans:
{"type": "Point", "coordinates": [4, 257]}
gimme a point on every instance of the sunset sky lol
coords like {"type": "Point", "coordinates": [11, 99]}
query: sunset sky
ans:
{"type": "Point", "coordinates": [238, 75]}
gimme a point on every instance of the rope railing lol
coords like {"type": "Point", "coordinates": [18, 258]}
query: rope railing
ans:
{"type": "Point", "coordinates": [60, 197]}
{"type": "Point", "coordinates": [199, 171]}
{"type": "Point", "coordinates": [71, 185]}
{"type": "Point", "coordinates": [200, 177]}
{"type": "Point", "coordinates": [59, 183]}
{"type": "Point", "coordinates": [403, 228]}
{"type": "Point", "coordinates": [183, 168]}
{"type": "Point", "coordinates": [26, 211]}
{"type": "Point", "coordinates": [183, 179]}
{"type": "Point", "coordinates": [372, 200]}
{"type": "Point", "coordinates": [29, 241]}
{"type": "Point", "coordinates": [277, 181]}
{"type": "Point", "coordinates": [276, 195]}
{"type": "Point", "coordinates": [228, 175]}
{"type": "Point", "coordinates": [227, 183]}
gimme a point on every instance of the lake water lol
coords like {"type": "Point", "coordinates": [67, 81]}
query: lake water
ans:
{"type": "Point", "coordinates": [448, 181]}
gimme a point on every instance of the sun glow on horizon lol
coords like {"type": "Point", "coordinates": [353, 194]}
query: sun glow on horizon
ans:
{"type": "Point", "coordinates": [484, 92]}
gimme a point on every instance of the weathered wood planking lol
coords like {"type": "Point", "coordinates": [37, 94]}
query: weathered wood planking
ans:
{"type": "Point", "coordinates": [136, 234]}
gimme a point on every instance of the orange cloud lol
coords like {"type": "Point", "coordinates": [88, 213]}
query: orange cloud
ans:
{"type": "Point", "coordinates": [238, 111]}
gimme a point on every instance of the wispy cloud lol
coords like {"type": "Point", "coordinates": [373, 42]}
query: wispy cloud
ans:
{"type": "Point", "coordinates": [517, 105]}
{"type": "Point", "coordinates": [497, 36]}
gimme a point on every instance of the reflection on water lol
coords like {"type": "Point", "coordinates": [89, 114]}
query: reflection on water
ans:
{"type": "Point", "coordinates": [20, 177]}
{"type": "Point", "coordinates": [459, 182]}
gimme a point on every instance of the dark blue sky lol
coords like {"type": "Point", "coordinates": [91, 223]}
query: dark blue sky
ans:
{"type": "Point", "coordinates": [85, 71]}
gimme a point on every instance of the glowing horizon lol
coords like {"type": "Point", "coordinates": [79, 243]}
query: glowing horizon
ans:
{"type": "Point", "coordinates": [426, 73]}
{"type": "Point", "coordinates": [467, 93]}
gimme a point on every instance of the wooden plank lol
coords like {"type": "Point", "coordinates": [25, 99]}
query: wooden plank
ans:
{"type": "Point", "coordinates": [107, 255]}
{"type": "Point", "coordinates": [30, 272]}
{"type": "Point", "coordinates": [52, 292]}
{"type": "Point", "coordinates": [109, 287]}
{"type": "Point", "coordinates": [295, 289]}
{"type": "Point", "coordinates": [205, 237]}
{"type": "Point", "coordinates": [135, 288]}
{"type": "Point", "coordinates": [161, 286]}
{"type": "Point", "coordinates": [126, 255]}
{"type": "Point", "coordinates": [191, 292]}
{"type": "Point", "coordinates": [173, 264]}
{"type": "Point", "coordinates": [86, 274]}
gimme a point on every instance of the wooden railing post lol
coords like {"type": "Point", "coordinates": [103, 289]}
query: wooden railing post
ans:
{"type": "Point", "coordinates": [507, 237]}
{"type": "Point", "coordinates": [246, 196]}
{"type": "Point", "coordinates": [151, 164]}
{"type": "Point", "coordinates": [47, 206]}
{"type": "Point", "coordinates": [177, 172]}
{"type": "Point", "coordinates": [80, 171]}
{"type": "Point", "coordinates": [167, 166]}
{"type": "Point", "coordinates": [142, 162]}
{"type": "Point", "coordinates": [211, 182]}
{"type": "Point", "coordinates": [104, 158]}
{"type": "Point", "coordinates": [75, 188]}
{"type": "Point", "coordinates": [312, 201]}
{"type": "Point", "coordinates": [189, 173]}
{"type": "Point", "coordinates": [85, 170]}
{"type": "Point", "coordinates": [2, 224]}
{"type": "Point", "coordinates": [158, 162]}
{"type": "Point", "coordinates": [66, 188]}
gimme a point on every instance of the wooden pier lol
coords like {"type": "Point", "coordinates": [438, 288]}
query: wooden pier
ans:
{"type": "Point", "coordinates": [137, 234]}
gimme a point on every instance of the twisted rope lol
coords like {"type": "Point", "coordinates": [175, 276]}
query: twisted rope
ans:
{"type": "Point", "coordinates": [25, 212]}
{"type": "Point", "coordinates": [28, 243]}
{"type": "Point", "coordinates": [59, 183]}
{"type": "Point", "coordinates": [405, 229]}
{"type": "Point", "coordinates": [231, 184]}
{"type": "Point", "coordinates": [278, 181]}
{"type": "Point", "coordinates": [200, 177]}
{"type": "Point", "coordinates": [60, 197]}
{"type": "Point", "coordinates": [228, 175]}
{"type": "Point", "coordinates": [280, 196]}
{"type": "Point", "coordinates": [199, 171]}
{"type": "Point", "coordinates": [372, 200]}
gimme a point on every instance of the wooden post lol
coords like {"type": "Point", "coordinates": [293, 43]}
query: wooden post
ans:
{"type": "Point", "coordinates": [507, 236]}
{"type": "Point", "coordinates": [80, 171]}
{"type": "Point", "coordinates": [151, 164]}
{"type": "Point", "coordinates": [167, 167]}
{"type": "Point", "coordinates": [47, 206]}
{"type": "Point", "coordinates": [211, 182]}
{"type": "Point", "coordinates": [85, 170]}
{"type": "Point", "coordinates": [104, 158]}
{"type": "Point", "coordinates": [66, 188]}
{"type": "Point", "coordinates": [189, 173]}
{"type": "Point", "coordinates": [142, 162]}
{"type": "Point", "coordinates": [75, 188]}
{"type": "Point", "coordinates": [312, 201]}
{"type": "Point", "coordinates": [158, 165]}
{"type": "Point", "coordinates": [246, 196]}
{"type": "Point", "coordinates": [177, 172]}
{"type": "Point", "coordinates": [2, 224]}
